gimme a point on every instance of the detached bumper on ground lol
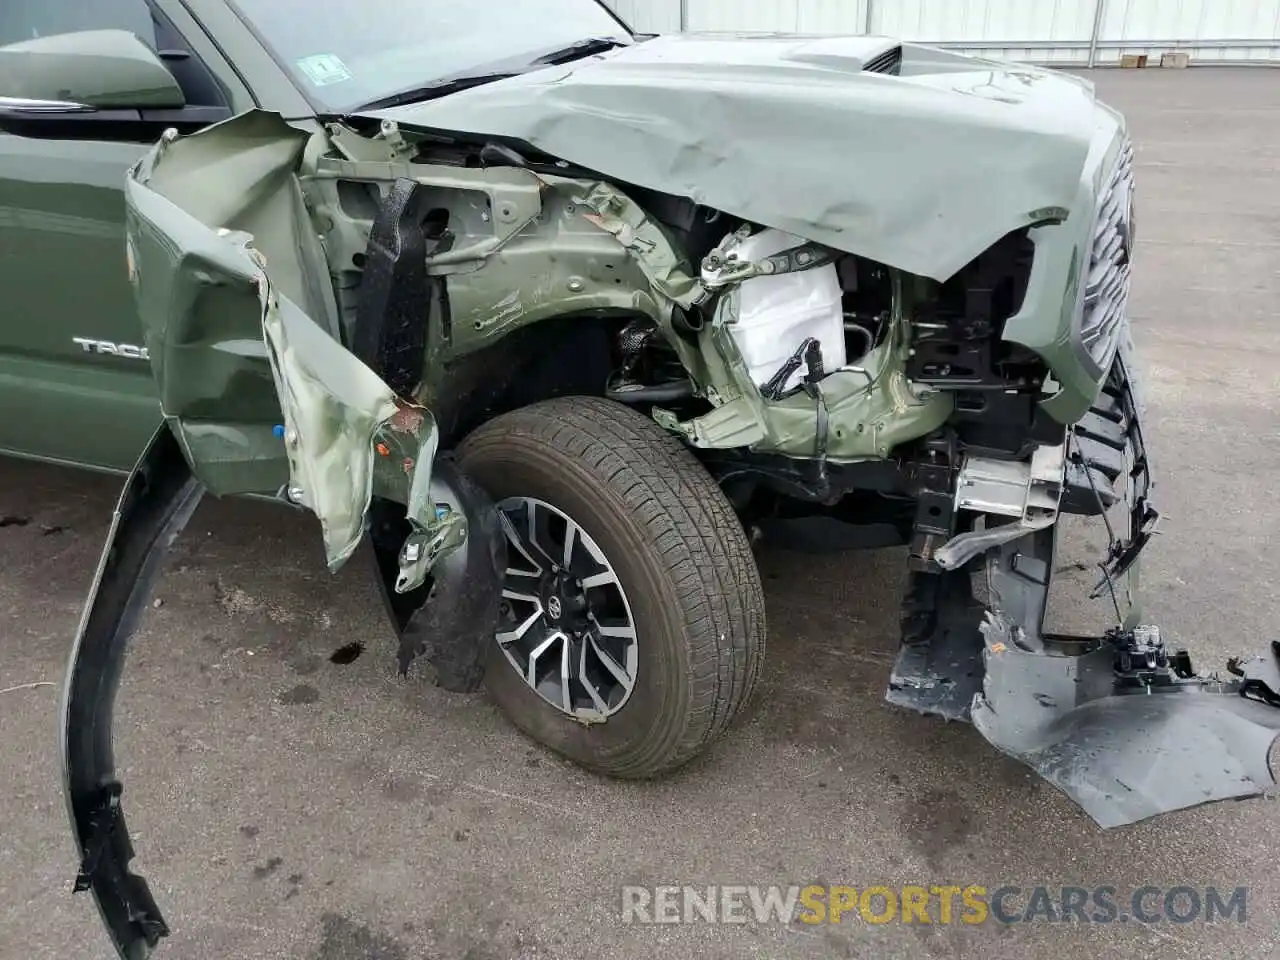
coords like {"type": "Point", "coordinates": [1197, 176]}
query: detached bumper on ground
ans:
{"type": "Point", "coordinates": [1120, 724]}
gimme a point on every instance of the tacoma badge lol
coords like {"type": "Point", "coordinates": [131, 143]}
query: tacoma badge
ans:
{"type": "Point", "coordinates": [127, 350]}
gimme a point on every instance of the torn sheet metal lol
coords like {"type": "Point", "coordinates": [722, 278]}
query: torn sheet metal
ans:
{"type": "Point", "coordinates": [921, 171]}
{"type": "Point", "coordinates": [341, 424]}
{"type": "Point", "coordinates": [200, 308]}
{"type": "Point", "coordinates": [340, 428]}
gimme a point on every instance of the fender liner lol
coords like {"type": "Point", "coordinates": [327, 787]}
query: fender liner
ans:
{"type": "Point", "coordinates": [393, 311]}
{"type": "Point", "coordinates": [449, 619]}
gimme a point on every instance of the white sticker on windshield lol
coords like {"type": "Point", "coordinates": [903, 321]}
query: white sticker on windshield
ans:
{"type": "Point", "coordinates": [323, 69]}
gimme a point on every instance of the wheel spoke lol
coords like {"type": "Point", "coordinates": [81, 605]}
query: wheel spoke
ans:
{"type": "Point", "coordinates": [595, 552]}
{"type": "Point", "coordinates": [513, 537]}
{"type": "Point", "coordinates": [531, 676]}
{"type": "Point", "coordinates": [566, 703]}
{"type": "Point", "coordinates": [611, 665]}
{"type": "Point", "coordinates": [616, 630]}
{"type": "Point", "coordinates": [596, 700]}
{"type": "Point", "coordinates": [531, 518]}
{"type": "Point", "coordinates": [599, 580]}
{"type": "Point", "coordinates": [570, 540]}
{"type": "Point", "coordinates": [516, 595]}
{"type": "Point", "coordinates": [510, 636]}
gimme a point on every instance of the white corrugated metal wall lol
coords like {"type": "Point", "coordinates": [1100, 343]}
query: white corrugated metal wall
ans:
{"type": "Point", "coordinates": [1053, 31]}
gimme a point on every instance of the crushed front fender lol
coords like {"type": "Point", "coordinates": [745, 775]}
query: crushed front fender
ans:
{"type": "Point", "coordinates": [259, 395]}
{"type": "Point", "coordinates": [243, 340]}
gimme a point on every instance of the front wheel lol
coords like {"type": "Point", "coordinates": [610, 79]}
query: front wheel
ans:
{"type": "Point", "coordinates": [632, 627]}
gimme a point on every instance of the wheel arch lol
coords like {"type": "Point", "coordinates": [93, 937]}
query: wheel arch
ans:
{"type": "Point", "coordinates": [566, 355]}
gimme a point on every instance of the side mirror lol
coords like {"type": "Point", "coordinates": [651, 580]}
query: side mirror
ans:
{"type": "Point", "coordinates": [94, 69]}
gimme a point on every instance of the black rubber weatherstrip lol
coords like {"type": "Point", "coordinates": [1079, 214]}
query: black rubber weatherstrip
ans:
{"type": "Point", "coordinates": [159, 498]}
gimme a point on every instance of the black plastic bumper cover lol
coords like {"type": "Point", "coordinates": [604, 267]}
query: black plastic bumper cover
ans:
{"type": "Point", "coordinates": [158, 500]}
{"type": "Point", "coordinates": [1124, 743]}
{"type": "Point", "coordinates": [450, 623]}
{"type": "Point", "coordinates": [1127, 753]}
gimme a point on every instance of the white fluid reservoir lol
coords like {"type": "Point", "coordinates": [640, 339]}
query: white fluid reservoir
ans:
{"type": "Point", "coordinates": [777, 313]}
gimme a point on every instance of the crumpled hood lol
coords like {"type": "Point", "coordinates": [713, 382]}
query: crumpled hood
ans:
{"type": "Point", "coordinates": [922, 171]}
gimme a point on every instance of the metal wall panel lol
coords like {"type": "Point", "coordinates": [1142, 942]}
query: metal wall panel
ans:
{"type": "Point", "coordinates": [1210, 30]}
{"type": "Point", "coordinates": [832, 16]}
{"type": "Point", "coordinates": [994, 28]}
{"type": "Point", "coordinates": [650, 16]}
{"type": "Point", "coordinates": [1053, 31]}
{"type": "Point", "coordinates": [956, 21]}
{"type": "Point", "coordinates": [787, 16]}
{"type": "Point", "coordinates": [766, 15]}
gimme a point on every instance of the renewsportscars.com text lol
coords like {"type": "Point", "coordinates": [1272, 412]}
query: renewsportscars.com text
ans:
{"type": "Point", "coordinates": [931, 904]}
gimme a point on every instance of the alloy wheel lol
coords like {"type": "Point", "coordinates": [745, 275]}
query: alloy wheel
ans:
{"type": "Point", "coordinates": [566, 626]}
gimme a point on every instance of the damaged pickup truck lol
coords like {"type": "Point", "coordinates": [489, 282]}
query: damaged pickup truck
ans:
{"type": "Point", "coordinates": [558, 319]}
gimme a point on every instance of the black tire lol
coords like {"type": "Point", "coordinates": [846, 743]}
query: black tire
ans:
{"type": "Point", "coordinates": [680, 554]}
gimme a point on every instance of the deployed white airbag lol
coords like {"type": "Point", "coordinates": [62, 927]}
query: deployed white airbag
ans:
{"type": "Point", "coordinates": [777, 313]}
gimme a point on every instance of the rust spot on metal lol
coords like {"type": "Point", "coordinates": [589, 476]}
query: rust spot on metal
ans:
{"type": "Point", "coordinates": [383, 450]}
{"type": "Point", "coordinates": [408, 418]}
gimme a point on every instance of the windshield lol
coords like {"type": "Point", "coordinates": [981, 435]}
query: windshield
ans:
{"type": "Point", "coordinates": [343, 54]}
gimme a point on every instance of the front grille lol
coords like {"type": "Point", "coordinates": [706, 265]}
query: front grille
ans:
{"type": "Point", "coordinates": [1106, 292]}
{"type": "Point", "coordinates": [888, 62]}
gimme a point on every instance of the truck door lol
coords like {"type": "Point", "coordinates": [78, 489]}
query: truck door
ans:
{"type": "Point", "coordinates": [73, 371]}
